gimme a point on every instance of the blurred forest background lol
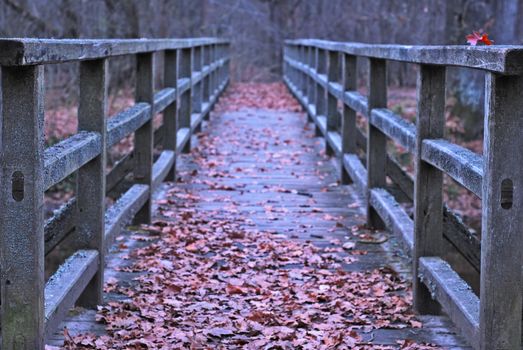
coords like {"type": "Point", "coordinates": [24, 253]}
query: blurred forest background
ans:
{"type": "Point", "coordinates": [257, 29]}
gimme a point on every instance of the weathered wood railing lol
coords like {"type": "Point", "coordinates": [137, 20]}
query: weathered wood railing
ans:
{"type": "Point", "coordinates": [195, 73]}
{"type": "Point", "coordinates": [321, 73]}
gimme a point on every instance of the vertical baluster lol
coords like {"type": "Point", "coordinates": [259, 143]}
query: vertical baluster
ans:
{"type": "Point", "coordinates": [227, 48]}
{"type": "Point", "coordinates": [21, 209]}
{"type": "Point", "coordinates": [376, 140]}
{"type": "Point", "coordinates": [184, 71]}
{"type": "Point", "coordinates": [169, 114]}
{"type": "Point", "coordinates": [320, 91]}
{"type": "Point", "coordinates": [206, 57]}
{"type": "Point", "coordinates": [348, 123]}
{"type": "Point", "coordinates": [90, 179]}
{"type": "Point", "coordinates": [333, 75]}
{"type": "Point", "coordinates": [502, 214]}
{"type": "Point", "coordinates": [428, 200]}
{"type": "Point", "coordinates": [196, 66]}
{"type": "Point", "coordinates": [143, 137]}
{"type": "Point", "coordinates": [311, 85]}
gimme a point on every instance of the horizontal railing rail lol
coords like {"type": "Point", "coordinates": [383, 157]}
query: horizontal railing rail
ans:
{"type": "Point", "coordinates": [195, 74]}
{"type": "Point", "coordinates": [322, 74]}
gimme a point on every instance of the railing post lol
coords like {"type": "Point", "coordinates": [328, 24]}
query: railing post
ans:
{"type": "Point", "coordinates": [184, 71]}
{"type": "Point", "coordinates": [196, 66]}
{"type": "Point", "coordinates": [311, 84]}
{"type": "Point", "coordinates": [206, 57]}
{"type": "Point", "coordinates": [321, 67]}
{"type": "Point", "coordinates": [428, 200]}
{"type": "Point", "coordinates": [143, 142]}
{"type": "Point", "coordinates": [90, 179]}
{"type": "Point", "coordinates": [348, 122]}
{"type": "Point", "coordinates": [169, 114]}
{"type": "Point", "coordinates": [333, 75]}
{"type": "Point", "coordinates": [502, 214]}
{"type": "Point", "coordinates": [21, 208]}
{"type": "Point", "coordinates": [376, 140]}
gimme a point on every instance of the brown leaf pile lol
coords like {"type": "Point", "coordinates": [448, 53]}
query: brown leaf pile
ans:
{"type": "Point", "coordinates": [209, 279]}
{"type": "Point", "coordinates": [241, 96]}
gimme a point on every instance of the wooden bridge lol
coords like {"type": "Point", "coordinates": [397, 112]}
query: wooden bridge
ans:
{"type": "Point", "coordinates": [322, 77]}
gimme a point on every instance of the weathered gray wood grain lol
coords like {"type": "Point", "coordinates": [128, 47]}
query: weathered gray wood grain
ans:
{"type": "Point", "coordinates": [376, 140]}
{"type": "Point", "coordinates": [65, 286]}
{"type": "Point", "coordinates": [453, 293]}
{"type": "Point", "coordinates": [26, 51]}
{"type": "Point", "coordinates": [123, 210]}
{"type": "Point", "coordinates": [170, 122]}
{"type": "Point", "coordinates": [144, 136]}
{"type": "Point", "coordinates": [21, 208]}
{"type": "Point", "coordinates": [90, 178]}
{"type": "Point", "coordinates": [505, 59]}
{"type": "Point", "coordinates": [348, 120]}
{"type": "Point", "coordinates": [463, 165]}
{"type": "Point", "coordinates": [394, 217]}
{"type": "Point", "coordinates": [428, 192]}
{"type": "Point", "coordinates": [127, 122]}
{"type": "Point", "coordinates": [69, 155]}
{"type": "Point", "coordinates": [502, 215]}
{"type": "Point", "coordinates": [185, 103]}
{"type": "Point", "coordinates": [395, 127]}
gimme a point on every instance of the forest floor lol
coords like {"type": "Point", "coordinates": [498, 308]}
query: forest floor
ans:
{"type": "Point", "coordinates": [257, 246]}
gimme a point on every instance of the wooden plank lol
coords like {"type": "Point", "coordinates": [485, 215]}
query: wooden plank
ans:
{"type": "Point", "coordinates": [163, 166]}
{"type": "Point", "coordinates": [164, 98]}
{"type": "Point", "coordinates": [463, 165]}
{"type": "Point", "coordinates": [21, 208]}
{"type": "Point", "coordinates": [123, 210]}
{"type": "Point", "coordinates": [196, 66]}
{"type": "Point", "coordinates": [66, 285]}
{"type": "Point", "coordinates": [466, 242]}
{"type": "Point", "coordinates": [184, 135]}
{"type": "Point", "coordinates": [334, 140]}
{"type": "Point", "coordinates": [333, 75]}
{"type": "Point", "coordinates": [60, 225]}
{"type": "Point", "coordinates": [428, 188]}
{"type": "Point", "coordinates": [185, 104]}
{"type": "Point", "coordinates": [376, 140]}
{"type": "Point", "coordinates": [170, 122]}
{"type": "Point", "coordinates": [395, 127]}
{"type": "Point", "coordinates": [127, 122]}
{"type": "Point", "coordinates": [90, 179]}
{"type": "Point", "coordinates": [400, 177]}
{"type": "Point", "coordinates": [395, 218]}
{"type": "Point", "coordinates": [144, 140]}
{"type": "Point", "coordinates": [453, 293]}
{"type": "Point", "coordinates": [348, 121]}
{"type": "Point", "coordinates": [502, 216]}
{"type": "Point", "coordinates": [356, 171]}
{"type": "Point", "coordinates": [68, 155]}
{"type": "Point", "coordinates": [505, 59]}
{"type": "Point", "coordinates": [28, 51]}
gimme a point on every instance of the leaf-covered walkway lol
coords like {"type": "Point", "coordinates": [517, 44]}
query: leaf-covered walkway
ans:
{"type": "Point", "coordinates": [257, 246]}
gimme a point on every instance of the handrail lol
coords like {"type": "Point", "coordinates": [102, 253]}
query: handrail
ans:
{"type": "Point", "coordinates": [322, 74]}
{"type": "Point", "coordinates": [504, 59]}
{"type": "Point", "coordinates": [28, 51]}
{"type": "Point", "coordinates": [30, 308]}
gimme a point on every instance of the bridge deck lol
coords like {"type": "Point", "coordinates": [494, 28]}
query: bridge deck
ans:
{"type": "Point", "coordinates": [236, 262]}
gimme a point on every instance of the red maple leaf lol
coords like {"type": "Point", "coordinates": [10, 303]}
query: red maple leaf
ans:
{"type": "Point", "coordinates": [476, 37]}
